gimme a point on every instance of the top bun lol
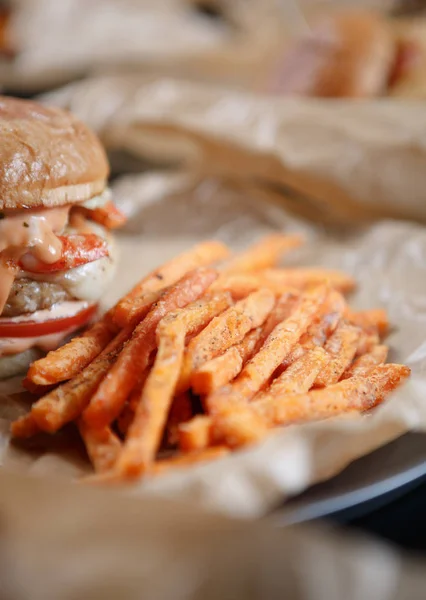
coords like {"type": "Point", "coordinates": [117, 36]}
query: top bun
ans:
{"type": "Point", "coordinates": [349, 54]}
{"type": "Point", "coordinates": [47, 157]}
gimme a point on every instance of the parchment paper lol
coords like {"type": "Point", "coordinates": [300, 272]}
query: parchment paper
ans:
{"type": "Point", "coordinates": [223, 140]}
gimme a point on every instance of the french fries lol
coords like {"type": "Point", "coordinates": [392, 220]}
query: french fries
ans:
{"type": "Point", "coordinates": [224, 331]}
{"type": "Point", "coordinates": [202, 255]}
{"type": "Point", "coordinates": [67, 362]}
{"type": "Point", "coordinates": [145, 432]}
{"type": "Point", "coordinates": [211, 359]}
{"type": "Point", "coordinates": [110, 397]}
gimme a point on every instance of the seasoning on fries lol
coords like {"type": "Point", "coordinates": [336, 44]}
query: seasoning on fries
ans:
{"type": "Point", "coordinates": [208, 353]}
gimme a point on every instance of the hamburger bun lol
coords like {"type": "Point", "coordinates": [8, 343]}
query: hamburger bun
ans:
{"type": "Point", "coordinates": [48, 157]}
{"type": "Point", "coordinates": [346, 55]}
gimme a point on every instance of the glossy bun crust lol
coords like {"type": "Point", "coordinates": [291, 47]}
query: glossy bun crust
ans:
{"type": "Point", "coordinates": [47, 157]}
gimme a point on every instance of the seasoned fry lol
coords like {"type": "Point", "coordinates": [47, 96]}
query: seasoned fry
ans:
{"type": "Point", "coordinates": [259, 369]}
{"type": "Point", "coordinates": [240, 285]}
{"type": "Point", "coordinates": [366, 342]}
{"type": "Point", "coordinates": [303, 277]}
{"type": "Point", "coordinates": [341, 349]}
{"type": "Point", "coordinates": [222, 369]}
{"type": "Point", "coordinates": [375, 320]}
{"type": "Point", "coordinates": [266, 253]}
{"type": "Point", "coordinates": [146, 430]}
{"type": "Point", "coordinates": [299, 377]}
{"type": "Point", "coordinates": [102, 446]}
{"type": "Point", "coordinates": [195, 434]}
{"type": "Point", "coordinates": [24, 427]}
{"type": "Point", "coordinates": [180, 412]}
{"type": "Point", "coordinates": [281, 311]}
{"type": "Point", "coordinates": [201, 255]}
{"type": "Point", "coordinates": [67, 362]}
{"type": "Point", "coordinates": [363, 364]}
{"type": "Point", "coordinates": [106, 404]}
{"type": "Point", "coordinates": [36, 390]}
{"type": "Point", "coordinates": [247, 424]}
{"type": "Point", "coordinates": [66, 402]}
{"type": "Point", "coordinates": [224, 331]}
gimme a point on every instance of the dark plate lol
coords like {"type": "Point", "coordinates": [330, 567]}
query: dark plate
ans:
{"type": "Point", "coordinates": [363, 486]}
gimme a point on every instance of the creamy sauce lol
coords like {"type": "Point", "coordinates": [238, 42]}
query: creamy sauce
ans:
{"type": "Point", "coordinates": [9, 346]}
{"type": "Point", "coordinates": [57, 311]}
{"type": "Point", "coordinates": [33, 231]}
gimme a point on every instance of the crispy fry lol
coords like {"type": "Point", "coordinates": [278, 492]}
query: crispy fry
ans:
{"type": "Point", "coordinates": [366, 342]}
{"type": "Point", "coordinates": [248, 424]}
{"type": "Point", "coordinates": [201, 255]}
{"type": "Point", "coordinates": [341, 349]}
{"type": "Point", "coordinates": [266, 253]}
{"type": "Point", "coordinates": [106, 404]}
{"type": "Point", "coordinates": [36, 390]}
{"type": "Point", "coordinates": [224, 331]}
{"type": "Point", "coordinates": [303, 277]}
{"type": "Point", "coordinates": [259, 369]}
{"type": "Point", "coordinates": [102, 446]}
{"type": "Point", "coordinates": [299, 377]}
{"type": "Point", "coordinates": [195, 434]}
{"type": "Point", "coordinates": [67, 362]}
{"type": "Point", "coordinates": [363, 364]}
{"type": "Point", "coordinates": [241, 285]}
{"type": "Point", "coordinates": [66, 402]}
{"type": "Point", "coordinates": [375, 319]}
{"type": "Point", "coordinates": [146, 430]}
{"type": "Point", "coordinates": [24, 427]}
{"type": "Point", "coordinates": [180, 412]}
{"type": "Point", "coordinates": [222, 369]}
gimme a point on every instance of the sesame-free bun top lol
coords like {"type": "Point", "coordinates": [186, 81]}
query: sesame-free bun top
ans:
{"type": "Point", "coordinates": [47, 157]}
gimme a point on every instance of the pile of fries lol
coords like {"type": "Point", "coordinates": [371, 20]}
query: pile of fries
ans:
{"type": "Point", "coordinates": [207, 354]}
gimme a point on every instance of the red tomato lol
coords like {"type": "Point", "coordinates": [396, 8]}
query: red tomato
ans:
{"type": "Point", "coordinates": [77, 250]}
{"type": "Point", "coordinates": [9, 328]}
{"type": "Point", "coordinates": [109, 216]}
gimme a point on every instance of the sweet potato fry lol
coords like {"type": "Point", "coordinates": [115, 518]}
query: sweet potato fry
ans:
{"type": "Point", "coordinates": [266, 253]}
{"type": "Point", "coordinates": [146, 430]}
{"type": "Point", "coordinates": [224, 331]}
{"type": "Point", "coordinates": [67, 361]}
{"type": "Point", "coordinates": [36, 390]}
{"type": "Point", "coordinates": [180, 412]}
{"type": "Point", "coordinates": [106, 404]}
{"type": "Point", "coordinates": [303, 277]}
{"type": "Point", "coordinates": [66, 402]}
{"type": "Point", "coordinates": [240, 285]}
{"type": "Point", "coordinates": [367, 341]}
{"type": "Point", "coordinates": [201, 255]}
{"type": "Point", "coordinates": [24, 427]}
{"type": "Point", "coordinates": [102, 445]}
{"type": "Point", "coordinates": [375, 319]}
{"type": "Point", "coordinates": [259, 369]}
{"type": "Point", "coordinates": [195, 434]}
{"type": "Point", "coordinates": [363, 364]}
{"type": "Point", "coordinates": [341, 349]}
{"type": "Point", "coordinates": [222, 369]}
{"type": "Point", "coordinates": [248, 424]}
{"type": "Point", "coordinates": [299, 377]}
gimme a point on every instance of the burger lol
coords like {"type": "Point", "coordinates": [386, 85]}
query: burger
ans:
{"type": "Point", "coordinates": [57, 254]}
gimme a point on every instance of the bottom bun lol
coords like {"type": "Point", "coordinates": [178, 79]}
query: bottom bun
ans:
{"type": "Point", "coordinates": [17, 364]}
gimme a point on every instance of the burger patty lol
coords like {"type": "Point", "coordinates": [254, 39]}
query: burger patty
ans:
{"type": "Point", "coordinates": [27, 296]}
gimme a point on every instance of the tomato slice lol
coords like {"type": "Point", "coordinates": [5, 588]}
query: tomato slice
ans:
{"type": "Point", "coordinates": [108, 215]}
{"type": "Point", "coordinates": [9, 328]}
{"type": "Point", "coordinates": [77, 250]}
